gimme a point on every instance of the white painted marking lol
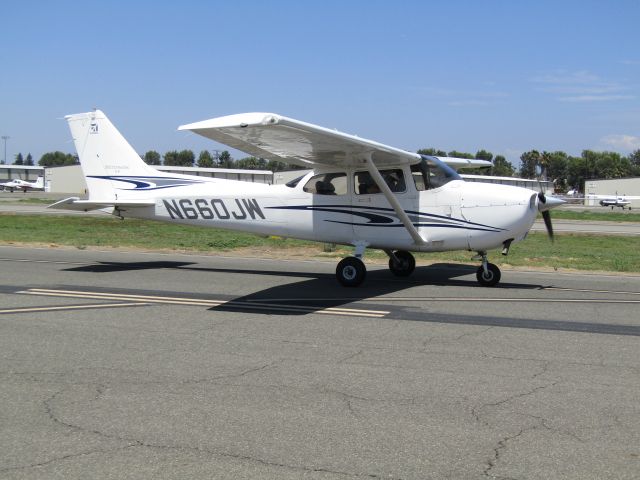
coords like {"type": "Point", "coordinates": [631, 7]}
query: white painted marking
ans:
{"type": "Point", "coordinates": [206, 303]}
{"type": "Point", "coordinates": [70, 307]}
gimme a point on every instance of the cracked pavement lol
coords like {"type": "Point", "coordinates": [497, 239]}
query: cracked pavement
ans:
{"type": "Point", "coordinates": [170, 391]}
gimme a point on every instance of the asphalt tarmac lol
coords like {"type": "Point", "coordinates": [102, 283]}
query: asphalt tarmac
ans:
{"type": "Point", "coordinates": [135, 365]}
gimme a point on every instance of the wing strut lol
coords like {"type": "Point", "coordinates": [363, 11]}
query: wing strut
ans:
{"type": "Point", "coordinates": [391, 198]}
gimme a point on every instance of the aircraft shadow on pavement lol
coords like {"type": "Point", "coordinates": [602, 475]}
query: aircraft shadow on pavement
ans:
{"type": "Point", "coordinates": [322, 291]}
{"type": "Point", "coordinates": [318, 291]}
{"type": "Point", "coordinates": [106, 267]}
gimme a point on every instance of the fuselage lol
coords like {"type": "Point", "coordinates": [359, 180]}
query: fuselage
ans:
{"type": "Point", "coordinates": [457, 215]}
{"type": "Point", "coordinates": [614, 202]}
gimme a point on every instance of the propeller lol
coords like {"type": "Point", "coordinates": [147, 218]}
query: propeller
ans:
{"type": "Point", "coordinates": [544, 205]}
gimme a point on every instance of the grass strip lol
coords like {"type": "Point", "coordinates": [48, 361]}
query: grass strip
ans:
{"type": "Point", "coordinates": [571, 251]}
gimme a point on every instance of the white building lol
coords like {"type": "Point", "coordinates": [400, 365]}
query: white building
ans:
{"type": "Point", "coordinates": [614, 187]}
{"type": "Point", "coordinates": [22, 172]}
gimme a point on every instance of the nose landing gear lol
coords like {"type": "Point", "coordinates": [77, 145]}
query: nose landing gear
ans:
{"type": "Point", "coordinates": [401, 262]}
{"type": "Point", "coordinates": [488, 274]}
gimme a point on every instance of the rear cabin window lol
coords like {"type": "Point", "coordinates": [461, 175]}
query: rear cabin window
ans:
{"type": "Point", "coordinates": [394, 178]}
{"type": "Point", "coordinates": [327, 184]}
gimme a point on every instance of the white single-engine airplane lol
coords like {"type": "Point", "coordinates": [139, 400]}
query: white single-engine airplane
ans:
{"type": "Point", "coordinates": [612, 201]}
{"type": "Point", "coordinates": [18, 184]}
{"type": "Point", "coordinates": [360, 193]}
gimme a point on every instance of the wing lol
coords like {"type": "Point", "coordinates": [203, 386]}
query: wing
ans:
{"type": "Point", "coordinates": [275, 137]}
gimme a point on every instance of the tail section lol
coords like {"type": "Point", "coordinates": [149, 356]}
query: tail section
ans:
{"type": "Point", "coordinates": [108, 162]}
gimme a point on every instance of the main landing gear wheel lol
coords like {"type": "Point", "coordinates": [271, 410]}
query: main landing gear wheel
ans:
{"type": "Point", "coordinates": [489, 278]}
{"type": "Point", "coordinates": [403, 264]}
{"type": "Point", "coordinates": [351, 272]}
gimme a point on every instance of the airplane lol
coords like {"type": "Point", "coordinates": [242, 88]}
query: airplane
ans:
{"type": "Point", "coordinates": [18, 184]}
{"type": "Point", "coordinates": [616, 200]}
{"type": "Point", "coordinates": [359, 193]}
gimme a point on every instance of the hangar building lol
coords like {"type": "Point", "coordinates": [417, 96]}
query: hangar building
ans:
{"type": "Point", "coordinates": [29, 173]}
{"type": "Point", "coordinates": [613, 187]}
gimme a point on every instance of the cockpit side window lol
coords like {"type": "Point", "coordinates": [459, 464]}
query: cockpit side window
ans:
{"type": "Point", "coordinates": [365, 185]}
{"type": "Point", "coordinates": [420, 176]}
{"type": "Point", "coordinates": [327, 184]}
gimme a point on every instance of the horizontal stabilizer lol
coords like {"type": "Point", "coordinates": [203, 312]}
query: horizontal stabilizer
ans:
{"type": "Point", "coordinates": [74, 203]}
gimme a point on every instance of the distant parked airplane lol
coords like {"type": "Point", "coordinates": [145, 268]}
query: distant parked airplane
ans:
{"type": "Point", "coordinates": [18, 184]}
{"type": "Point", "coordinates": [616, 200]}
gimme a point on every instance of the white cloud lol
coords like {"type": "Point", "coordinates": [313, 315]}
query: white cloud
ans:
{"type": "Point", "coordinates": [468, 103]}
{"type": "Point", "coordinates": [566, 78]}
{"type": "Point", "coordinates": [581, 86]}
{"type": "Point", "coordinates": [465, 98]}
{"type": "Point", "coordinates": [625, 143]}
{"type": "Point", "coordinates": [595, 98]}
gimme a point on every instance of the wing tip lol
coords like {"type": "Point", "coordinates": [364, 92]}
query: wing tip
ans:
{"type": "Point", "coordinates": [236, 120]}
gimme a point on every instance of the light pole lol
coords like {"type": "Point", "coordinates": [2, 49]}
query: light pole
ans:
{"type": "Point", "coordinates": [5, 138]}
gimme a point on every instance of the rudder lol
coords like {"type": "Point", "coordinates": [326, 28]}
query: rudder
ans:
{"type": "Point", "coordinates": [105, 154]}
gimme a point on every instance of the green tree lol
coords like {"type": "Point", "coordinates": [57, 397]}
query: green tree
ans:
{"type": "Point", "coordinates": [433, 152]}
{"type": "Point", "coordinates": [576, 172]}
{"type": "Point", "coordinates": [252, 163]}
{"type": "Point", "coordinates": [502, 167]}
{"type": "Point", "coordinates": [557, 164]}
{"type": "Point", "coordinates": [171, 158]}
{"type": "Point", "coordinates": [56, 159]}
{"type": "Point", "coordinates": [484, 155]}
{"type": "Point", "coordinates": [225, 160]}
{"type": "Point", "coordinates": [455, 153]}
{"type": "Point", "coordinates": [186, 158]}
{"type": "Point", "coordinates": [205, 160]}
{"type": "Point", "coordinates": [19, 160]}
{"type": "Point", "coordinates": [634, 159]}
{"type": "Point", "coordinates": [276, 166]}
{"type": "Point", "coordinates": [528, 162]}
{"type": "Point", "coordinates": [612, 165]}
{"type": "Point", "coordinates": [28, 160]}
{"type": "Point", "coordinates": [152, 158]}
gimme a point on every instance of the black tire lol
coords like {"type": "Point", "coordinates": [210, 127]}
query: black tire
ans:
{"type": "Point", "coordinates": [489, 279]}
{"type": "Point", "coordinates": [405, 264]}
{"type": "Point", "coordinates": [351, 272]}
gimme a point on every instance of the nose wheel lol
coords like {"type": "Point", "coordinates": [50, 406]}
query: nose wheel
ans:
{"type": "Point", "coordinates": [401, 263]}
{"type": "Point", "coordinates": [488, 274]}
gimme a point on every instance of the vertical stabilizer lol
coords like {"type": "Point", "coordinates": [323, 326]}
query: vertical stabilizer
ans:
{"type": "Point", "coordinates": [105, 156]}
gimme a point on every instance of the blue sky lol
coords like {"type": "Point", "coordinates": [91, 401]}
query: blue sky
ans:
{"type": "Point", "coordinates": [506, 76]}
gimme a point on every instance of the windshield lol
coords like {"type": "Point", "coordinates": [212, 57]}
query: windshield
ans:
{"type": "Point", "coordinates": [436, 172]}
{"type": "Point", "coordinates": [294, 183]}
